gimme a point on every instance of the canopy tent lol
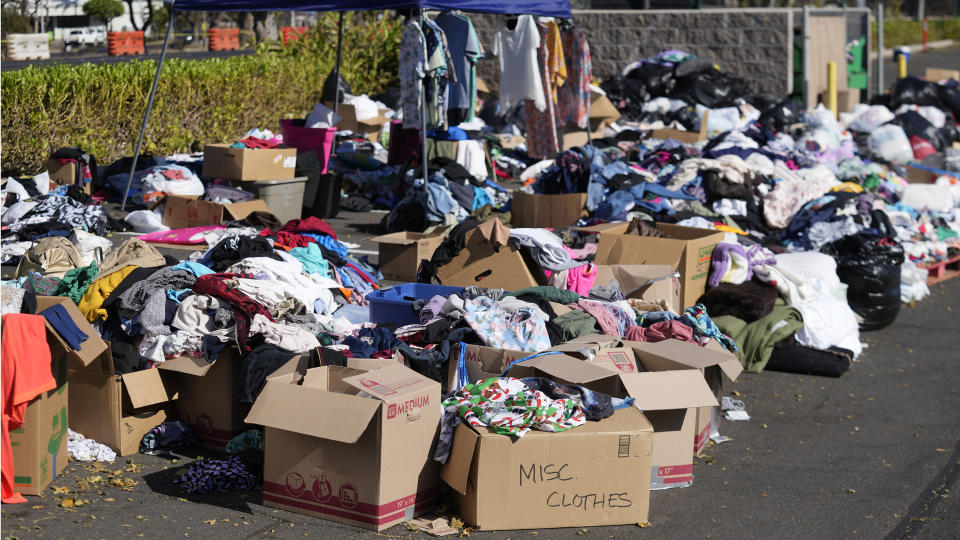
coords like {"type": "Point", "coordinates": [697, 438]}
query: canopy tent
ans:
{"type": "Point", "coordinates": [547, 8]}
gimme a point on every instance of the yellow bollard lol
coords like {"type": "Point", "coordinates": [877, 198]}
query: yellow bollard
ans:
{"type": "Point", "coordinates": [832, 88]}
{"type": "Point", "coordinates": [902, 66]}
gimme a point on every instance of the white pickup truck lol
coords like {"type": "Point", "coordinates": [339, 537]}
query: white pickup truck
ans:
{"type": "Point", "coordinates": [85, 36]}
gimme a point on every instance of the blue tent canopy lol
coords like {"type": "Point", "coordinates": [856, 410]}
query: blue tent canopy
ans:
{"type": "Point", "coordinates": [548, 8]}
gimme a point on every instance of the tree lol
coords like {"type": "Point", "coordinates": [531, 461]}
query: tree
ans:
{"type": "Point", "coordinates": [105, 10]}
{"type": "Point", "coordinates": [133, 19]}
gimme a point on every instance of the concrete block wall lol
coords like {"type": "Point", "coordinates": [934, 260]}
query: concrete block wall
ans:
{"type": "Point", "coordinates": [756, 44]}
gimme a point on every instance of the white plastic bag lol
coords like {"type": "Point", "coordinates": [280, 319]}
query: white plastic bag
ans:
{"type": "Point", "coordinates": [890, 142]}
{"type": "Point", "coordinates": [145, 221]}
{"type": "Point", "coordinates": [322, 117]}
{"type": "Point", "coordinates": [872, 118]}
{"type": "Point", "coordinates": [913, 282]}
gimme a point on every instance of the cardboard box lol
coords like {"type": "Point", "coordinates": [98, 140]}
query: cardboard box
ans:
{"type": "Point", "coordinates": [401, 253]}
{"type": "Point", "coordinates": [686, 137]}
{"type": "Point", "coordinates": [714, 363]}
{"type": "Point", "coordinates": [182, 212]}
{"type": "Point", "coordinates": [65, 174]}
{"type": "Point", "coordinates": [481, 362]}
{"type": "Point", "coordinates": [208, 402]}
{"type": "Point", "coordinates": [369, 128]}
{"type": "Point", "coordinates": [594, 474]}
{"type": "Point", "coordinates": [937, 74]}
{"type": "Point", "coordinates": [89, 350]}
{"type": "Point", "coordinates": [478, 263]}
{"type": "Point", "coordinates": [547, 210]}
{"type": "Point", "coordinates": [224, 161]}
{"type": "Point", "coordinates": [654, 284]}
{"type": "Point", "coordinates": [365, 461]}
{"type": "Point", "coordinates": [39, 447]}
{"type": "Point", "coordinates": [688, 250]}
{"type": "Point", "coordinates": [117, 410]}
{"type": "Point", "coordinates": [668, 393]}
{"type": "Point", "coordinates": [601, 114]}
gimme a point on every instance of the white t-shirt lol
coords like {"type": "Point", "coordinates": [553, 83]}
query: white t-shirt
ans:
{"type": "Point", "coordinates": [519, 67]}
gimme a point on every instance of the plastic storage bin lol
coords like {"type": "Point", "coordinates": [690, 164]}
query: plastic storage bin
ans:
{"type": "Point", "coordinates": [284, 197]}
{"type": "Point", "coordinates": [305, 139]}
{"type": "Point", "coordinates": [395, 305]}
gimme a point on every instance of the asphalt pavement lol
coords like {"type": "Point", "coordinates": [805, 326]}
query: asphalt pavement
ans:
{"type": "Point", "coordinates": [872, 454]}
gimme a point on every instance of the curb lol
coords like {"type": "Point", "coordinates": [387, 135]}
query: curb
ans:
{"type": "Point", "coordinates": [918, 47]}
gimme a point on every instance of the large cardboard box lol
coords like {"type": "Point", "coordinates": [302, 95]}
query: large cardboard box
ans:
{"type": "Point", "coordinates": [546, 210]}
{"type": "Point", "coordinates": [362, 460]}
{"type": "Point", "coordinates": [401, 253]}
{"type": "Point", "coordinates": [714, 363]}
{"type": "Point", "coordinates": [594, 474]}
{"type": "Point", "coordinates": [181, 212]}
{"type": "Point", "coordinates": [90, 349]}
{"type": "Point", "coordinates": [668, 393]}
{"type": "Point", "coordinates": [39, 447]}
{"type": "Point", "coordinates": [369, 127]}
{"type": "Point", "coordinates": [655, 284]}
{"type": "Point", "coordinates": [117, 410]}
{"type": "Point", "coordinates": [937, 74]}
{"type": "Point", "coordinates": [480, 362]}
{"type": "Point", "coordinates": [478, 263]}
{"type": "Point", "coordinates": [208, 400]}
{"type": "Point", "coordinates": [224, 161]}
{"type": "Point", "coordinates": [687, 250]}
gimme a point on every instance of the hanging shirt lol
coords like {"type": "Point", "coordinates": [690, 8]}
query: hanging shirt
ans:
{"type": "Point", "coordinates": [520, 76]}
{"type": "Point", "coordinates": [464, 53]}
{"type": "Point", "coordinates": [412, 72]}
{"type": "Point", "coordinates": [556, 65]}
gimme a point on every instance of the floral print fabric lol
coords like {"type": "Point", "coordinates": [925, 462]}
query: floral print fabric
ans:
{"type": "Point", "coordinates": [510, 407]}
{"type": "Point", "coordinates": [520, 330]}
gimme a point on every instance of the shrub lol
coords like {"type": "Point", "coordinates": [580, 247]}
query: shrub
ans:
{"type": "Point", "coordinates": [100, 107]}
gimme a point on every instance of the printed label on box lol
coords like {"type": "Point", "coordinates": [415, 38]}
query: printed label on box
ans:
{"type": "Point", "coordinates": [290, 162]}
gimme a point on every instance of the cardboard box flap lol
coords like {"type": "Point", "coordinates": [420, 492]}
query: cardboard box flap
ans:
{"type": "Point", "coordinates": [602, 108]}
{"type": "Point", "coordinates": [92, 347]}
{"type": "Point", "coordinates": [612, 227]}
{"type": "Point", "coordinates": [664, 390]}
{"type": "Point", "coordinates": [338, 417]}
{"type": "Point", "coordinates": [188, 365]}
{"type": "Point", "coordinates": [240, 210]}
{"type": "Point", "coordinates": [391, 382]}
{"type": "Point", "coordinates": [568, 368]}
{"type": "Point", "coordinates": [456, 472]}
{"type": "Point", "coordinates": [404, 238]}
{"type": "Point", "coordinates": [145, 388]}
{"type": "Point", "coordinates": [694, 356]}
{"type": "Point", "coordinates": [616, 249]}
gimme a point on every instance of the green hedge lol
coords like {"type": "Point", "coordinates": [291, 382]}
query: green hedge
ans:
{"type": "Point", "coordinates": [899, 32]}
{"type": "Point", "coordinates": [100, 107]}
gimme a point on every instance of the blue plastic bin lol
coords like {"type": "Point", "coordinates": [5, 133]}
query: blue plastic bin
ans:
{"type": "Point", "coordinates": [395, 305]}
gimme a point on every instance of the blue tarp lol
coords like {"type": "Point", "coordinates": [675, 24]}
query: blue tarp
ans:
{"type": "Point", "coordinates": [549, 8]}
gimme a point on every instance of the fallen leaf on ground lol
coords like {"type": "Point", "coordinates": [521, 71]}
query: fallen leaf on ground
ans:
{"type": "Point", "coordinates": [643, 524]}
{"type": "Point", "coordinates": [210, 521]}
{"type": "Point", "coordinates": [60, 489]}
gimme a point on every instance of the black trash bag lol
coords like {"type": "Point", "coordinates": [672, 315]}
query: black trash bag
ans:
{"type": "Point", "coordinates": [657, 79]}
{"type": "Point", "coordinates": [711, 89]}
{"type": "Point", "coordinates": [950, 97]}
{"type": "Point", "coordinates": [330, 87]}
{"type": "Point", "coordinates": [914, 124]}
{"type": "Point", "coordinates": [691, 66]}
{"type": "Point", "coordinates": [869, 263]}
{"type": "Point", "coordinates": [688, 117]}
{"type": "Point", "coordinates": [627, 95]}
{"type": "Point", "coordinates": [914, 91]}
{"type": "Point", "coordinates": [781, 115]}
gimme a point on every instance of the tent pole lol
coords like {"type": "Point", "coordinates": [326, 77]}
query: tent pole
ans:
{"type": "Point", "coordinates": [336, 99]}
{"type": "Point", "coordinates": [153, 94]}
{"type": "Point", "coordinates": [423, 112]}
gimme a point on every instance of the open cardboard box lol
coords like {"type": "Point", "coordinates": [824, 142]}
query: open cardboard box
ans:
{"type": "Point", "coordinates": [687, 250]}
{"type": "Point", "coordinates": [180, 212]}
{"type": "Point", "coordinates": [480, 362]}
{"type": "Point", "coordinates": [594, 474]}
{"type": "Point", "coordinates": [478, 263]}
{"type": "Point", "coordinates": [209, 403]}
{"type": "Point", "coordinates": [247, 164]}
{"type": "Point", "coordinates": [117, 410]}
{"type": "Point", "coordinates": [65, 174]}
{"type": "Point", "coordinates": [369, 127]}
{"type": "Point", "coordinates": [668, 394]}
{"type": "Point", "coordinates": [362, 460]}
{"type": "Point", "coordinates": [401, 253]}
{"type": "Point", "coordinates": [655, 284]}
{"type": "Point", "coordinates": [537, 211]}
{"type": "Point", "coordinates": [601, 114]}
